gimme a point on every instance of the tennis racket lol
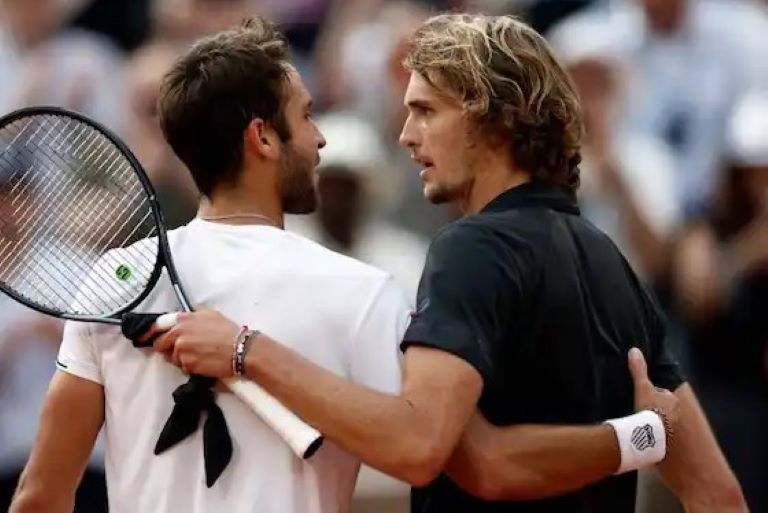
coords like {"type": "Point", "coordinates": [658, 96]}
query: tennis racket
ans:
{"type": "Point", "coordinates": [83, 237]}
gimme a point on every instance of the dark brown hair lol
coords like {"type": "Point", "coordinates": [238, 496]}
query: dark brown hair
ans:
{"type": "Point", "coordinates": [215, 90]}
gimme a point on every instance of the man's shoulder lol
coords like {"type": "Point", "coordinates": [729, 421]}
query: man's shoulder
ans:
{"type": "Point", "coordinates": [466, 229]}
{"type": "Point", "coordinates": [313, 258]}
{"type": "Point", "coordinates": [490, 234]}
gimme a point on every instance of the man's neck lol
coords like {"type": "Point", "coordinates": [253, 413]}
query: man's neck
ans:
{"type": "Point", "coordinates": [496, 177]}
{"type": "Point", "coordinates": [240, 206]}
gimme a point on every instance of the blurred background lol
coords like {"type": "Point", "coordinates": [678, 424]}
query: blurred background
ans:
{"type": "Point", "coordinates": [675, 170]}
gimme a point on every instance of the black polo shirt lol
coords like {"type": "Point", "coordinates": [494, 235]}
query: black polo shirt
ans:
{"type": "Point", "coordinates": [545, 307]}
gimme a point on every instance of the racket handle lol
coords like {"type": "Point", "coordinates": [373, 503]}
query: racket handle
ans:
{"type": "Point", "coordinates": [302, 438]}
{"type": "Point", "coordinates": [167, 321]}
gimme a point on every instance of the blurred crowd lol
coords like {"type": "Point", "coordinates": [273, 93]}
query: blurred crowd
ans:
{"type": "Point", "coordinates": [675, 168]}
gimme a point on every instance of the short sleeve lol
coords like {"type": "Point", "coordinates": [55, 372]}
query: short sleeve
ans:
{"type": "Point", "coordinates": [77, 354]}
{"type": "Point", "coordinates": [467, 294]}
{"type": "Point", "coordinates": [376, 360]}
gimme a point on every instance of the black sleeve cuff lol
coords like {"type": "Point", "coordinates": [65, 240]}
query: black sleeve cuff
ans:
{"type": "Point", "coordinates": [462, 345]}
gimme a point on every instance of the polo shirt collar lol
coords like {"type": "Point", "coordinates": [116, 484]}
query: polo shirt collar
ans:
{"type": "Point", "coordinates": [535, 194]}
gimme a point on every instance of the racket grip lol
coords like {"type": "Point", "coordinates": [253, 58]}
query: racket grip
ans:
{"type": "Point", "coordinates": [302, 438]}
{"type": "Point", "coordinates": [167, 321]}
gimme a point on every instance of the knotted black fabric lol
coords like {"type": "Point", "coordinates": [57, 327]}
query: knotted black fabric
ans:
{"type": "Point", "coordinates": [191, 399]}
{"type": "Point", "coordinates": [135, 325]}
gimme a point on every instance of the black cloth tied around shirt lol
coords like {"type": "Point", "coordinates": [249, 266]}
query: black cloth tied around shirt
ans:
{"type": "Point", "coordinates": [191, 399]}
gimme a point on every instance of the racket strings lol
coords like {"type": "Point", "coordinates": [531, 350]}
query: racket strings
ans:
{"type": "Point", "coordinates": [78, 242]}
{"type": "Point", "coordinates": [40, 221]}
{"type": "Point", "coordinates": [77, 229]}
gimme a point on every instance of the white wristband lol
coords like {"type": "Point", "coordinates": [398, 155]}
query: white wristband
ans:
{"type": "Point", "coordinates": [642, 440]}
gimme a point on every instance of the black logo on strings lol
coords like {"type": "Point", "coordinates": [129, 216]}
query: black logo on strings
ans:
{"type": "Point", "coordinates": [642, 437]}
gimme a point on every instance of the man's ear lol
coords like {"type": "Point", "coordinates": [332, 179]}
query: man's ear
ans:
{"type": "Point", "coordinates": [260, 138]}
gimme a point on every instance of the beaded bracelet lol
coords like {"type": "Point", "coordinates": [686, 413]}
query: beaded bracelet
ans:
{"type": "Point", "coordinates": [241, 350]}
{"type": "Point", "coordinates": [238, 341]}
{"type": "Point", "coordinates": [668, 429]}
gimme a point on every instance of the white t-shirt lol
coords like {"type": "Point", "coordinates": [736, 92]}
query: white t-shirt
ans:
{"type": "Point", "coordinates": [339, 313]}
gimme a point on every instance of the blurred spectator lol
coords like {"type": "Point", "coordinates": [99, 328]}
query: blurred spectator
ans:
{"type": "Point", "coordinates": [353, 184]}
{"type": "Point", "coordinates": [300, 20]}
{"type": "Point", "coordinates": [143, 76]}
{"type": "Point", "coordinates": [125, 22]}
{"type": "Point", "coordinates": [190, 19]}
{"type": "Point", "coordinates": [28, 346]}
{"type": "Point", "coordinates": [53, 65]}
{"type": "Point", "coordinates": [690, 60]}
{"type": "Point", "coordinates": [627, 177]}
{"type": "Point", "coordinates": [352, 55]}
{"type": "Point", "coordinates": [721, 283]}
{"type": "Point", "coordinates": [544, 14]}
{"type": "Point", "coordinates": [28, 343]}
{"type": "Point", "coordinates": [363, 63]}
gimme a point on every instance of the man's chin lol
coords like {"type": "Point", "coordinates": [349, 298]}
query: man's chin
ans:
{"type": "Point", "coordinates": [436, 196]}
{"type": "Point", "coordinates": [306, 205]}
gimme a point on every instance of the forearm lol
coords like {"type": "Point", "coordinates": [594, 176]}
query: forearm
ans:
{"type": "Point", "coordinates": [700, 278]}
{"type": "Point", "coordinates": [390, 433]}
{"type": "Point", "coordinates": [653, 251]}
{"type": "Point", "coordinates": [526, 462]}
{"type": "Point", "coordinates": [695, 468]}
{"type": "Point", "coordinates": [34, 497]}
{"type": "Point", "coordinates": [72, 415]}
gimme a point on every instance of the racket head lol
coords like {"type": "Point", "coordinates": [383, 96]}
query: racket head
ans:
{"type": "Point", "coordinates": [39, 161]}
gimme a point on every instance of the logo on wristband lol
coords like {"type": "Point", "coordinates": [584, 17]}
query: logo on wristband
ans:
{"type": "Point", "coordinates": [642, 437]}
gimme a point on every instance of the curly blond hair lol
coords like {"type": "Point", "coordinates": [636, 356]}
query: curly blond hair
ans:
{"type": "Point", "coordinates": [508, 80]}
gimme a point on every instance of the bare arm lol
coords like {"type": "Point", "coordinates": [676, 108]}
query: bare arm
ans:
{"type": "Point", "coordinates": [700, 286]}
{"type": "Point", "coordinates": [695, 468]}
{"type": "Point", "coordinates": [652, 250]}
{"type": "Point", "coordinates": [409, 436]}
{"type": "Point", "coordinates": [526, 462]}
{"type": "Point", "coordinates": [72, 415]}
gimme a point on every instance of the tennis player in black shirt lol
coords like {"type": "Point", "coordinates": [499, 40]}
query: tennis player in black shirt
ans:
{"type": "Point", "coordinates": [525, 311]}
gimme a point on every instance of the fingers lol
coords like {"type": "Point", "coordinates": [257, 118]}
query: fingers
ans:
{"type": "Point", "coordinates": [638, 368]}
{"type": "Point", "coordinates": [170, 328]}
{"type": "Point", "coordinates": [167, 340]}
{"type": "Point", "coordinates": [172, 324]}
{"type": "Point", "coordinates": [176, 357]}
{"type": "Point", "coordinates": [145, 337]}
{"type": "Point", "coordinates": [161, 324]}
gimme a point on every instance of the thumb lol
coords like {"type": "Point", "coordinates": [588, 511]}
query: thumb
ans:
{"type": "Point", "coordinates": [638, 368]}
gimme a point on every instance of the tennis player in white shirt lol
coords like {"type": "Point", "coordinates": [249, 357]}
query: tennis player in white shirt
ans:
{"type": "Point", "coordinates": [238, 115]}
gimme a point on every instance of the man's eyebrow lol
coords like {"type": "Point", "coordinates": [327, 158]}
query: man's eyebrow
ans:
{"type": "Point", "coordinates": [418, 103]}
